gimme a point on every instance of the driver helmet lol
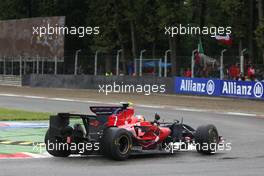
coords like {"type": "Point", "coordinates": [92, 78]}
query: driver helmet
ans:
{"type": "Point", "coordinates": [140, 118]}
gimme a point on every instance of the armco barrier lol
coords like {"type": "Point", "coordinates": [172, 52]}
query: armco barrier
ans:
{"type": "Point", "coordinates": [215, 87]}
{"type": "Point", "coordinates": [92, 82]}
{"type": "Point", "coordinates": [178, 85]}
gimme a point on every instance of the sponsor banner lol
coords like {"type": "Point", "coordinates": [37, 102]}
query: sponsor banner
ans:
{"type": "Point", "coordinates": [243, 89]}
{"type": "Point", "coordinates": [198, 86]}
{"type": "Point", "coordinates": [214, 87]}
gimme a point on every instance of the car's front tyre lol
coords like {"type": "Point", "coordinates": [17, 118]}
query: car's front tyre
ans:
{"type": "Point", "coordinates": [207, 139]}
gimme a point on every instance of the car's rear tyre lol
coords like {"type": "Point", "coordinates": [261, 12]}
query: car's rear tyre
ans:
{"type": "Point", "coordinates": [117, 143]}
{"type": "Point", "coordinates": [206, 138]}
{"type": "Point", "coordinates": [56, 146]}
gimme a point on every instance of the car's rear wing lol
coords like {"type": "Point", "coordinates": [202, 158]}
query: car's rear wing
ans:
{"type": "Point", "coordinates": [108, 110]}
{"type": "Point", "coordinates": [105, 110]}
{"type": "Point", "coordinates": [92, 123]}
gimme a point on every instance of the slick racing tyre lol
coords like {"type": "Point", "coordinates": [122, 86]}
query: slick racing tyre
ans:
{"type": "Point", "coordinates": [117, 143]}
{"type": "Point", "coordinates": [206, 138]}
{"type": "Point", "coordinates": [56, 146]}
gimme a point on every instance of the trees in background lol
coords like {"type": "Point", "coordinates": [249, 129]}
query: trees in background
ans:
{"type": "Point", "coordinates": [132, 25]}
{"type": "Point", "coordinates": [260, 28]}
{"type": "Point", "coordinates": [238, 17]}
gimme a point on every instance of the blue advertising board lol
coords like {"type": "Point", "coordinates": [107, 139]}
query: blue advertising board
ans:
{"type": "Point", "coordinates": [215, 87]}
{"type": "Point", "coordinates": [242, 89]}
{"type": "Point", "coordinates": [198, 86]}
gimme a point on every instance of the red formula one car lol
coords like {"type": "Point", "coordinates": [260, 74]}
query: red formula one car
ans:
{"type": "Point", "coordinates": [116, 132]}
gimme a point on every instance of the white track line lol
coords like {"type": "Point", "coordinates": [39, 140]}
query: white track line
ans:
{"type": "Point", "coordinates": [138, 105]}
{"type": "Point", "coordinates": [55, 99]}
{"type": "Point", "coordinates": [241, 114]}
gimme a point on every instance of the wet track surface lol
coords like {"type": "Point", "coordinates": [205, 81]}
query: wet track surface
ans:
{"type": "Point", "coordinates": [245, 133]}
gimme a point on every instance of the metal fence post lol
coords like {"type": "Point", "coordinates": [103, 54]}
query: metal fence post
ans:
{"type": "Point", "coordinates": [76, 62]}
{"type": "Point", "coordinates": [165, 62]}
{"type": "Point", "coordinates": [12, 66]}
{"type": "Point", "coordinates": [4, 66]}
{"type": "Point", "coordinates": [42, 66]}
{"type": "Point", "coordinates": [55, 66]}
{"type": "Point", "coordinates": [25, 65]}
{"type": "Point", "coordinates": [140, 62]}
{"type": "Point", "coordinates": [34, 66]}
{"type": "Point", "coordinates": [192, 62]}
{"type": "Point", "coordinates": [20, 66]}
{"type": "Point", "coordinates": [135, 66]}
{"type": "Point", "coordinates": [37, 64]}
{"type": "Point", "coordinates": [117, 61]}
{"type": "Point", "coordinates": [160, 67]}
{"type": "Point", "coordinates": [242, 61]}
{"type": "Point", "coordinates": [222, 64]}
{"type": "Point", "coordinates": [95, 63]}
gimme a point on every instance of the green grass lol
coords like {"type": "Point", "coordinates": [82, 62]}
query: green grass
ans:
{"type": "Point", "coordinates": [14, 114]}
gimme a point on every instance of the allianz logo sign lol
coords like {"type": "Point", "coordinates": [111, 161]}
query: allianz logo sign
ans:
{"type": "Point", "coordinates": [232, 88]}
{"type": "Point", "coordinates": [200, 87]}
